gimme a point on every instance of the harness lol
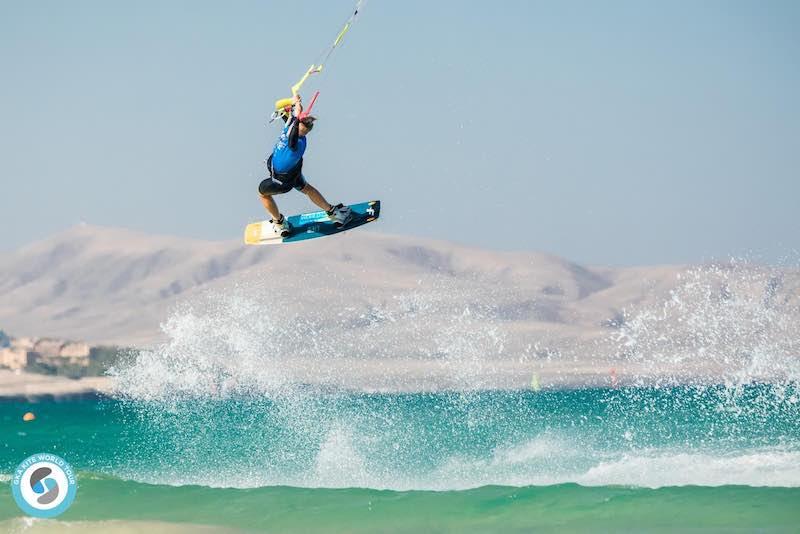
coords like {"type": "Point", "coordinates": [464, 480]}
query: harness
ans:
{"type": "Point", "coordinates": [285, 177]}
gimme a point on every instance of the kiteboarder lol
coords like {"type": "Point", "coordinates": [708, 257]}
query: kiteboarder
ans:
{"type": "Point", "coordinates": [285, 166]}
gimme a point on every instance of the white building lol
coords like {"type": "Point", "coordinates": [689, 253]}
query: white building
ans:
{"type": "Point", "coordinates": [77, 352]}
{"type": "Point", "coordinates": [14, 358]}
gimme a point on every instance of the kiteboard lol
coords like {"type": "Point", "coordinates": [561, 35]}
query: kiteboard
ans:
{"type": "Point", "coordinates": [311, 225]}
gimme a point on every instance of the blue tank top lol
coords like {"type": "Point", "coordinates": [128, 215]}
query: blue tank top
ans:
{"type": "Point", "coordinates": [289, 149]}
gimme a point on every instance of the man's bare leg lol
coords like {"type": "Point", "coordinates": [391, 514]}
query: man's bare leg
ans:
{"type": "Point", "coordinates": [271, 207]}
{"type": "Point", "coordinates": [316, 197]}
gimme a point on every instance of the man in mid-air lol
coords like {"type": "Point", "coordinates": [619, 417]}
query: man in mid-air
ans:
{"type": "Point", "coordinates": [285, 171]}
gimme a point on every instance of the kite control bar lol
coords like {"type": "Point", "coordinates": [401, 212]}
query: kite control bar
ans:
{"type": "Point", "coordinates": [306, 112]}
{"type": "Point", "coordinates": [283, 106]}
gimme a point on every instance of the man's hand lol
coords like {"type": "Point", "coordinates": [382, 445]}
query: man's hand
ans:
{"type": "Point", "coordinates": [297, 106]}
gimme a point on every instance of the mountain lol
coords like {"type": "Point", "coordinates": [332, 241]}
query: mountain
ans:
{"type": "Point", "coordinates": [113, 285]}
{"type": "Point", "coordinates": [387, 296]}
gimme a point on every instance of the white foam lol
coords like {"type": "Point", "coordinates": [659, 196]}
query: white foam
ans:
{"type": "Point", "coordinates": [545, 460]}
{"type": "Point", "coordinates": [665, 468]}
{"type": "Point", "coordinates": [540, 463]}
{"type": "Point", "coordinates": [338, 463]}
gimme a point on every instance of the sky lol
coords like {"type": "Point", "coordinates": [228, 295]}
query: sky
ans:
{"type": "Point", "coordinates": [616, 133]}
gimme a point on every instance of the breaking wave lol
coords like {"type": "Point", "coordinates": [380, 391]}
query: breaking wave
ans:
{"type": "Point", "coordinates": [246, 394]}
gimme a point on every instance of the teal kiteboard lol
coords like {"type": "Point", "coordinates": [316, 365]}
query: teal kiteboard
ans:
{"type": "Point", "coordinates": [311, 225]}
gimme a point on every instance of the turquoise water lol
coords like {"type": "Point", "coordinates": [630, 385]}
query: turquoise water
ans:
{"type": "Point", "coordinates": [655, 458]}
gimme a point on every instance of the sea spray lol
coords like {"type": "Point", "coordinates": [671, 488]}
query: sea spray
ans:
{"type": "Point", "coordinates": [728, 322]}
{"type": "Point", "coordinates": [243, 394]}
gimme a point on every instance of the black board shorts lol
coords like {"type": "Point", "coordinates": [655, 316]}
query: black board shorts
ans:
{"type": "Point", "coordinates": [282, 182]}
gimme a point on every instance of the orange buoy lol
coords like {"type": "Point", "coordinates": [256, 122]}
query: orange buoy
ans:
{"type": "Point", "coordinates": [29, 416]}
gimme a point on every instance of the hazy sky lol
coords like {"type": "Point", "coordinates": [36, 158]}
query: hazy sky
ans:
{"type": "Point", "coordinates": [620, 132]}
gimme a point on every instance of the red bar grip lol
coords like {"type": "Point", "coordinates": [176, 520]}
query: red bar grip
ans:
{"type": "Point", "coordinates": [306, 112]}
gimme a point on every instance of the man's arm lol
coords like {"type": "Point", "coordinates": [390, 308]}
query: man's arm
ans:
{"type": "Point", "coordinates": [293, 127]}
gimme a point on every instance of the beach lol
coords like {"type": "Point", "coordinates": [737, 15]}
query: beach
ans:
{"type": "Point", "coordinates": [26, 384]}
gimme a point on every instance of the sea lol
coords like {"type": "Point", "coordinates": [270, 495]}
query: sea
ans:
{"type": "Point", "coordinates": [684, 458]}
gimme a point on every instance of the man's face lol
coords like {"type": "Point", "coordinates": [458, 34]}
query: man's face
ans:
{"type": "Point", "coordinates": [302, 129]}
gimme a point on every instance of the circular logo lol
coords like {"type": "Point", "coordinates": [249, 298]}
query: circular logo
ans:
{"type": "Point", "coordinates": [44, 485]}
